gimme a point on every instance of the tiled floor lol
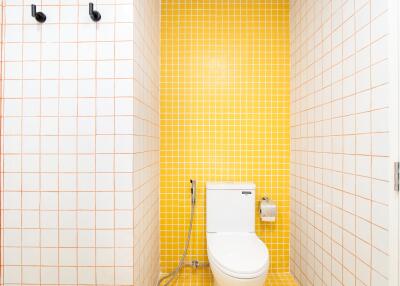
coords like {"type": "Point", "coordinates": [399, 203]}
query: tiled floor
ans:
{"type": "Point", "coordinates": [281, 279]}
{"type": "Point", "coordinates": [200, 279]}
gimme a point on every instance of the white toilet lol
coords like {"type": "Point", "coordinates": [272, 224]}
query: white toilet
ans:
{"type": "Point", "coordinates": [237, 256]}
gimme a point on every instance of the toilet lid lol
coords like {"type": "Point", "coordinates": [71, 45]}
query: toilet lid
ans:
{"type": "Point", "coordinates": [241, 255]}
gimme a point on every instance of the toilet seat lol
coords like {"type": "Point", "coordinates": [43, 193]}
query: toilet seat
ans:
{"type": "Point", "coordinates": [239, 255]}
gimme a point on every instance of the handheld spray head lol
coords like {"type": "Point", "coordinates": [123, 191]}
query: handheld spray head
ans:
{"type": "Point", "coordinates": [193, 190]}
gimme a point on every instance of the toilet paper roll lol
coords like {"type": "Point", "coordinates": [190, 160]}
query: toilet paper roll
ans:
{"type": "Point", "coordinates": [268, 210]}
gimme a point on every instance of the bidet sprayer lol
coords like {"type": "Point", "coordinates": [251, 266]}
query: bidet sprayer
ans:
{"type": "Point", "coordinates": [193, 190]}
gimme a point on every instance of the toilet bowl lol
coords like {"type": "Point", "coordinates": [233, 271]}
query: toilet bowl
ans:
{"type": "Point", "coordinates": [237, 256]}
{"type": "Point", "coordinates": [237, 259]}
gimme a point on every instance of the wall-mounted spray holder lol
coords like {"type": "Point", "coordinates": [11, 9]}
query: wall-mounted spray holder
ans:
{"type": "Point", "coordinates": [39, 16]}
{"type": "Point", "coordinates": [94, 15]}
{"type": "Point", "coordinates": [193, 189]}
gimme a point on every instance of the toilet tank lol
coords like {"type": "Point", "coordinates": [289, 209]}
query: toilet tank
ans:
{"type": "Point", "coordinates": [230, 207]}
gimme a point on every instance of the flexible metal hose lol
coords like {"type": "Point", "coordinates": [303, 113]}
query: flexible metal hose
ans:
{"type": "Point", "coordinates": [181, 263]}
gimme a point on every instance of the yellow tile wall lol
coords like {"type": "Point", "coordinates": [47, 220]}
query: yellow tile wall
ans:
{"type": "Point", "coordinates": [224, 115]}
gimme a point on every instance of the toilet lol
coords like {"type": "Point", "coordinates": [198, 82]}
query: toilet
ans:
{"type": "Point", "coordinates": [237, 256]}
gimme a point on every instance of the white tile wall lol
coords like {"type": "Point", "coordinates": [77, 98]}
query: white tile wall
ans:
{"type": "Point", "coordinates": [339, 142]}
{"type": "Point", "coordinates": [80, 144]}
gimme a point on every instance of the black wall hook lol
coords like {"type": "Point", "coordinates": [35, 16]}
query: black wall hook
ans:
{"type": "Point", "coordinates": [39, 16]}
{"type": "Point", "coordinates": [94, 15]}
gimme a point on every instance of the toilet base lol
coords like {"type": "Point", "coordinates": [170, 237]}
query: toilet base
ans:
{"type": "Point", "coordinates": [222, 279]}
{"type": "Point", "coordinates": [216, 283]}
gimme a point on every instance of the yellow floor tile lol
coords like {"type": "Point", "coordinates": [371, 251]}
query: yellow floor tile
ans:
{"type": "Point", "coordinates": [205, 279]}
{"type": "Point", "coordinates": [281, 279]}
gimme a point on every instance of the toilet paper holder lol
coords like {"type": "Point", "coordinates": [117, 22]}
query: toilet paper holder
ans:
{"type": "Point", "coordinates": [268, 210]}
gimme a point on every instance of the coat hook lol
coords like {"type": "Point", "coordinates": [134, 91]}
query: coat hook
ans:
{"type": "Point", "coordinates": [39, 16]}
{"type": "Point", "coordinates": [95, 15]}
